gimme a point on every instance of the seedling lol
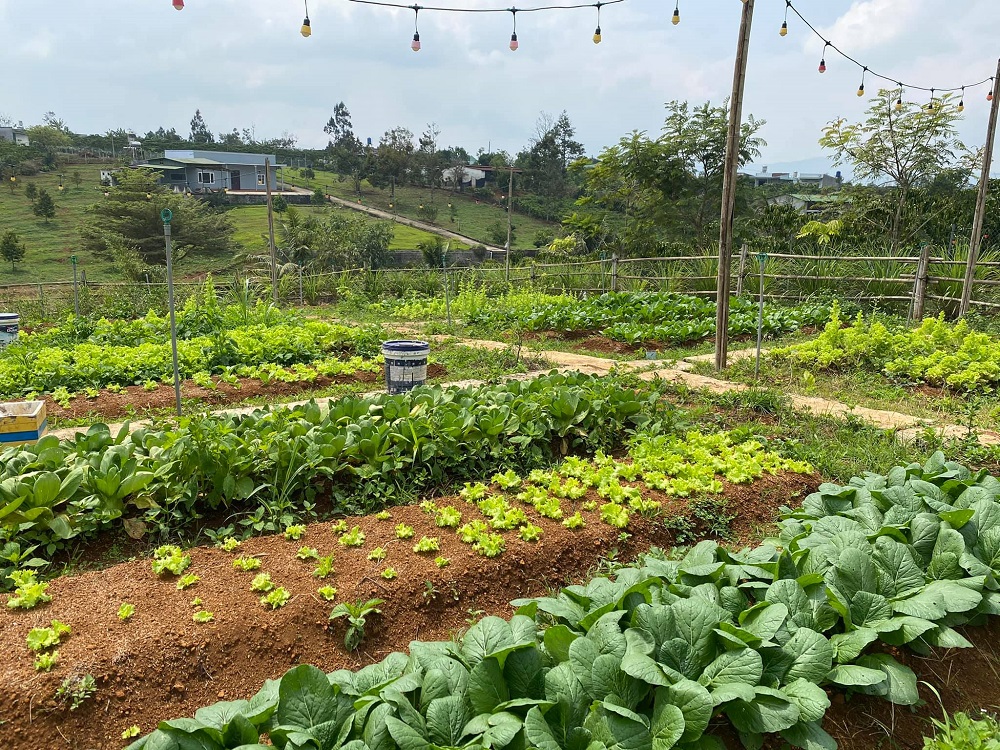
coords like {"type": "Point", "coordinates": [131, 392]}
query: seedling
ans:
{"type": "Point", "coordinates": [45, 662]}
{"type": "Point", "coordinates": [530, 533]}
{"type": "Point", "coordinates": [125, 611]}
{"type": "Point", "coordinates": [338, 527]}
{"type": "Point", "coordinates": [353, 538]}
{"type": "Point", "coordinates": [427, 544]}
{"type": "Point", "coordinates": [428, 506]}
{"type": "Point", "coordinates": [203, 616]}
{"type": "Point", "coordinates": [575, 521]}
{"type": "Point", "coordinates": [383, 515]}
{"type": "Point", "coordinates": [442, 562]}
{"type": "Point", "coordinates": [356, 615]}
{"type": "Point", "coordinates": [246, 564]}
{"type": "Point", "coordinates": [325, 567]}
{"type": "Point", "coordinates": [389, 573]}
{"type": "Point", "coordinates": [261, 583]}
{"type": "Point", "coordinates": [614, 515]}
{"type": "Point", "coordinates": [327, 593]}
{"type": "Point", "coordinates": [307, 553]}
{"type": "Point", "coordinates": [40, 639]}
{"type": "Point", "coordinates": [29, 591]}
{"type": "Point", "coordinates": [196, 602]}
{"type": "Point", "coordinates": [187, 580]}
{"type": "Point", "coordinates": [490, 545]}
{"type": "Point", "coordinates": [277, 598]}
{"type": "Point", "coordinates": [132, 731]}
{"type": "Point", "coordinates": [75, 690]}
{"type": "Point", "coordinates": [473, 492]}
{"type": "Point", "coordinates": [508, 480]}
{"type": "Point", "coordinates": [448, 517]}
{"type": "Point", "coordinates": [430, 593]}
{"type": "Point", "coordinates": [170, 559]}
{"type": "Point", "coordinates": [403, 531]}
{"type": "Point", "coordinates": [294, 533]}
{"type": "Point", "coordinates": [377, 554]}
{"type": "Point", "coordinates": [229, 544]}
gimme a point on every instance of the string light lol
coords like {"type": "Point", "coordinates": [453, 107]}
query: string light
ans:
{"type": "Point", "coordinates": [989, 96]}
{"type": "Point", "coordinates": [306, 29]}
{"type": "Point", "coordinates": [930, 104]}
{"type": "Point", "coordinates": [861, 88]}
{"type": "Point", "coordinates": [513, 37]}
{"type": "Point", "coordinates": [961, 102]}
{"type": "Point", "coordinates": [597, 31]}
{"type": "Point", "coordinates": [415, 44]}
{"type": "Point", "coordinates": [899, 101]}
{"type": "Point", "coordinates": [822, 60]}
{"type": "Point", "coordinates": [677, 13]}
{"type": "Point", "coordinates": [178, 4]}
{"type": "Point", "coordinates": [784, 24]}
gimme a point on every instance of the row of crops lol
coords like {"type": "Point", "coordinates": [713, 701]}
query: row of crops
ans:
{"type": "Point", "coordinates": [653, 656]}
{"type": "Point", "coordinates": [272, 467]}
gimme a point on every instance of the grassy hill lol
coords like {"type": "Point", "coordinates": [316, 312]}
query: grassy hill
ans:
{"type": "Point", "coordinates": [50, 244]}
{"type": "Point", "coordinates": [468, 217]}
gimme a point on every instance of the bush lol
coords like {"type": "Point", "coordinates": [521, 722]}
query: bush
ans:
{"type": "Point", "coordinates": [318, 197]}
{"type": "Point", "coordinates": [280, 204]}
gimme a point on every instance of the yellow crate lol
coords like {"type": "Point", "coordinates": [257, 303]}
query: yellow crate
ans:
{"type": "Point", "coordinates": [22, 422]}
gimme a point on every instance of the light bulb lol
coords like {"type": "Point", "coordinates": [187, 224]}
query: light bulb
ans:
{"type": "Point", "coordinates": [597, 35]}
{"type": "Point", "coordinates": [899, 103]}
{"type": "Point", "coordinates": [306, 29]}
{"type": "Point", "coordinates": [822, 65]}
{"type": "Point", "coordinates": [784, 28]}
{"type": "Point", "coordinates": [178, 4]}
{"type": "Point", "coordinates": [415, 46]}
{"type": "Point", "coordinates": [961, 106]}
{"type": "Point", "coordinates": [989, 96]}
{"type": "Point", "coordinates": [513, 42]}
{"type": "Point", "coordinates": [677, 17]}
{"type": "Point", "coordinates": [861, 90]}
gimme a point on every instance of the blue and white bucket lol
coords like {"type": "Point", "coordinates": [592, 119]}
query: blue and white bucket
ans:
{"type": "Point", "coordinates": [405, 364]}
{"type": "Point", "coordinates": [9, 323]}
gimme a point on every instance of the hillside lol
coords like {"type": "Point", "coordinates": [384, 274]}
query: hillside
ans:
{"type": "Point", "coordinates": [50, 244]}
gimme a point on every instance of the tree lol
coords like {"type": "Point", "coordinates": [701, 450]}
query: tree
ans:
{"type": "Point", "coordinates": [48, 138]}
{"type": "Point", "coordinates": [547, 161]}
{"type": "Point", "coordinates": [77, 178]}
{"type": "Point", "coordinates": [902, 149]}
{"type": "Point", "coordinates": [30, 191]}
{"type": "Point", "coordinates": [44, 207]}
{"type": "Point", "coordinates": [127, 214]}
{"type": "Point", "coordinates": [199, 130]}
{"type": "Point", "coordinates": [11, 248]}
{"type": "Point", "coordinates": [49, 119]}
{"type": "Point", "coordinates": [318, 197]}
{"type": "Point", "coordinates": [393, 157]}
{"type": "Point", "coordinates": [347, 154]}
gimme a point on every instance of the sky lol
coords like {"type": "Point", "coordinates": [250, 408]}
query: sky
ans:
{"type": "Point", "coordinates": [139, 64]}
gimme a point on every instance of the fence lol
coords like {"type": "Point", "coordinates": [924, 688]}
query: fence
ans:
{"type": "Point", "coordinates": [911, 284]}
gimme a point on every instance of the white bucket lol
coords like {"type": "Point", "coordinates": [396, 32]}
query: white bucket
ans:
{"type": "Point", "coordinates": [9, 323]}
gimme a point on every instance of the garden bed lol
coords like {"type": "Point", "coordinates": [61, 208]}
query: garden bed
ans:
{"type": "Point", "coordinates": [160, 663]}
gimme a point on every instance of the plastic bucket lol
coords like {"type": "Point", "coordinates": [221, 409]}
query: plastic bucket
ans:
{"type": "Point", "coordinates": [405, 364]}
{"type": "Point", "coordinates": [9, 323]}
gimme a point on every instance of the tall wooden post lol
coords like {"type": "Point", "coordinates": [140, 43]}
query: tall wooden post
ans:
{"type": "Point", "coordinates": [741, 272]}
{"type": "Point", "coordinates": [984, 187]}
{"type": "Point", "coordinates": [920, 283]}
{"type": "Point", "coordinates": [510, 203]}
{"type": "Point", "coordinates": [270, 232]}
{"type": "Point", "coordinates": [729, 188]}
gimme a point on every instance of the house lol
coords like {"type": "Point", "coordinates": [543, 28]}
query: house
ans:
{"type": "Point", "coordinates": [15, 135]}
{"type": "Point", "coordinates": [806, 204]}
{"type": "Point", "coordinates": [195, 171]}
{"type": "Point", "coordinates": [818, 181]}
{"type": "Point", "coordinates": [471, 176]}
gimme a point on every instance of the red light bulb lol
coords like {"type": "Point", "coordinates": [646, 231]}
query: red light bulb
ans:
{"type": "Point", "coordinates": [822, 66]}
{"type": "Point", "coordinates": [178, 4]}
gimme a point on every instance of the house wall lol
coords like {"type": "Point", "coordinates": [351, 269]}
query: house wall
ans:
{"type": "Point", "coordinates": [188, 179]}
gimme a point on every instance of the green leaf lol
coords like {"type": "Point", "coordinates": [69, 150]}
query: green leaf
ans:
{"type": "Point", "coordinates": [809, 697]}
{"type": "Point", "coordinates": [695, 704]}
{"type": "Point", "coordinates": [744, 666]}
{"type": "Point", "coordinates": [557, 640]}
{"type": "Point", "coordinates": [406, 736]}
{"type": "Point", "coordinates": [668, 724]}
{"type": "Point", "coordinates": [487, 687]}
{"type": "Point", "coordinates": [770, 711]}
{"type": "Point", "coordinates": [446, 718]}
{"type": "Point", "coordinates": [305, 698]}
{"type": "Point", "coordinates": [851, 675]}
{"type": "Point", "coordinates": [900, 686]}
{"type": "Point", "coordinates": [812, 656]}
{"type": "Point", "coordinates": [809, 736]}
{"type": "Point", "coordinates": [848, 646]}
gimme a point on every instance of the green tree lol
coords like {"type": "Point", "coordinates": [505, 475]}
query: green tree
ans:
{"type": "Point", "coordinates": [393, 157]}
{"type": "Point", "coordinates": [128, 214]}
{"type": "Point", "coordinates": [903, 146]}
{"type": "Point", "coordinates": [77, 178]}
{"type": "Point", "coordinates": [279, 204]}
{"type": "Point", "coordinates": [433, 251]}
{"type": "Point", "coordinates": [48, 137]}
{"type": "Point", "coordinates": [348, 156]}
{"type": "Point", "coordinates": [318, 197]}
{"type": "Point", "coordinates": [11, 248]}
{"type": "Point", "coordinates": [30, 191]}
{"type": "Point", "coordinates": [199, 130]}
{"type": "Point", "coordinates": [44, 207]}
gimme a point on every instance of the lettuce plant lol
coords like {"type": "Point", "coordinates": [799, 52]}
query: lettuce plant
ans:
{"type": "Point", "coordinates": [324, 567]}
{"type": "Point", "coordinates": [170, 559]}
{"type": "Point", "coordinates": [125, 611]}
{"type": "Point", "coordinates": [203, 616]}
{"type": "Point", "coordinates": [377, 555]}
{"type": "Point", "coordinates": [448, 517]}
{"type": "Point", "coordinates": [403, 531]}
{"type": "Point", "coordinates": [294, 533]}
{"type": "Point", "coordinates": [276, 598]}
{"type": "Point", "coordinates": [261, 583]}
{"type": "Point", "coordinates": [246, 564]}
{"type": "Point", "coordinates": [307, 553]}
{"type": "Point", "coordinates": [327, 593]}
{"type": "Point", "coordinates": [427, 544]}
{"type": "Point", "coordinates": [187, 580]}
{"type": "Point", "coordinates": [353, 538]}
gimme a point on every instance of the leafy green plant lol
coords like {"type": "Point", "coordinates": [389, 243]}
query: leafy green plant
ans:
{"type": "Point", "coordinates": [427, 544]}
{"type": "Point", "coordinates": [170, 559]}
{"type": "Point", "coordinates": [203, 616]}
{"type": "Point", "coordinates": [187, 580]}
{"type": "Point", "coordinates": [614, 515]}
{"type": "Point", "coordinates": [294, 533]}
{"type": "Point", "coordinates": [196, 602]}
{"type": "Point", "coordinates": [442, 562]}
{"type": "Point", "coordinates": [40, 639]}
{"type": "Point", "coordinates": [324, 567]}
{"type": "Point", "coordinates": [276, 598]}
{"type": "Point", "coordinates": [473, 491]}
{"type": "Point", "coordinates": [132, 731]}
{"type": "Point", "coordinates": [575, 521]}
{"type": "Point", "coordinates": [353, 538]}
{"type": "Point", "coordinates": [126, 611]}
{"type": "Point", "coordinates": [509, 480]}
{"type": "Point", "coordinates": [327, 593]}
{"type": "Point", "coordinates": [403, 531]}
{"type": "Point", "coordinates": [75, 689]}
{"type": "Point", "coordinates": [261, 583]}
{"type": "Point", "coordinates": [389, 574]}
{"type": "Point", "coordinates": [307, 553]}
{"type": "Point", "coordinates": [530, 532]}
{"type": "Point", "coordinates": [246, 564]}
{"type": "Point", "coordinates": [338, 527]}
{"type": "Point", "coordinates": [383, 515]}
{"type": "Point", "coordinates": [377, 555]}
{"type": "Point", "coordinates": [489, 545]}
{"type": "Point", "coordinates": [229, 544]}
{"type": "Point", "coordinates": [29, 592]}
{"type": "Point", "coordinates": [447, 517]}
{"type": "Point", "coordinates": [357, 615]}
{"type": "Point", "coordinates": [46, 661]}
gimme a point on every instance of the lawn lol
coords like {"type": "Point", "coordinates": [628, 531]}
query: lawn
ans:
{"type": "Point", "coordinates": [468, 216]}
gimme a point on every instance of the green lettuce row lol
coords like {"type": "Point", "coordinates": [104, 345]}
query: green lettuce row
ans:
{"type": "Point", "coordinates": [645, 660]}
{"type": "Point", "coordinates": [272, 464]}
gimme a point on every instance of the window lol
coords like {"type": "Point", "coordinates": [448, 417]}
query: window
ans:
{"type": "Point", "coordinates": [177, 176]}
{"type": "Point", "coordinates": [206, 178]}
{"type": "Point", "coordinates": [260, 179]}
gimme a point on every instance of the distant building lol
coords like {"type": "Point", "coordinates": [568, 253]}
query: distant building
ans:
{"type": "Point", "coordinates": [471, 176]}
{"type": "Point", "coordinates": [806, 204]}
{"type": "Point", "coordinates": [818, 181]}
{"type": "Point", "coordinates": [15, 135]}
{"type": "Point", "coordinates": [194, 171]}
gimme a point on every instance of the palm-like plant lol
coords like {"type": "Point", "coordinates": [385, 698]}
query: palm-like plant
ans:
{"type": "Point", "coordinates": [356, 614]}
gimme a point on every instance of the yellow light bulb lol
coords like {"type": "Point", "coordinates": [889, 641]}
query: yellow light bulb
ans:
{"type": "Point", "coordinates": [677, 17]}
{"type": "Point", "coordinates": [306, 29]}
{"type": "Point", "coordinates": [861, 90]}
{"type": "Point", "coordinates": [784, 29]}
{"type": "Point", "coordinates": [597, 35]}
{"type": "Point", "coordinates": [961, 106]}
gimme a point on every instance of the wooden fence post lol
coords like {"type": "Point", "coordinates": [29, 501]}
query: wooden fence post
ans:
{"type": "Point", "coordinates": [614, 272]}
{"type": "Point", "coordinates": [742, 270]}
{"type": "Point", "coordinates": [920, 284]}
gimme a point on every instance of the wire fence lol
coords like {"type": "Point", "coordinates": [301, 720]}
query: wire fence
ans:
{"type": "Point", "coordinates": [914, 285]}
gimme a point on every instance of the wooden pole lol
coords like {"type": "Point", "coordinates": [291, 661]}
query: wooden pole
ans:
{"type": "Point", "coordinates": [984, 187]}
{"type": "Point", "coordinates": [270, 232]}
{"type": "Point", "coordinates": [742, 270]}
{"type": "Point", "coordinates": [614, 272]}
{"type": "Point", "coordinates": [920, 283]}
{"type": "Point", "coordinates": [510, 202]}
{"type": "Point", "coordinates": [729, 188]}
